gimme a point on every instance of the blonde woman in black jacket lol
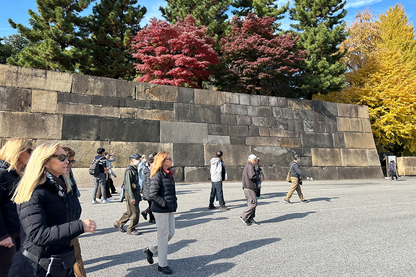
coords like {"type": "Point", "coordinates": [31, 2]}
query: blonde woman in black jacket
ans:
{"type": "Point", "coordinates": [163, 195]}
{"type": "Point", "coordinates": [42, 208]}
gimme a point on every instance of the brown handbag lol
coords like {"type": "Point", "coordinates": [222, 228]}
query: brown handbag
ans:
{"type": "Point", "coordinates": [288, 175]}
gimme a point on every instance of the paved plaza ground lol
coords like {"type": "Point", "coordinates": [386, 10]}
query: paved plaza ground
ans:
{"type": "Point", "coordinates": [349, 228]}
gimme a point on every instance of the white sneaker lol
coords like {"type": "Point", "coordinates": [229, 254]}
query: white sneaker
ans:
{"type": "Point", "coordinates": [106, 201]}
{"type": "Point", "coordinates": [94, 202]}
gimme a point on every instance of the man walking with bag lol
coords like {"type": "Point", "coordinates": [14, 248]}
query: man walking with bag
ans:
{"type": "Point", "coordinates": [250, 184]}
{"type": "Point", "coordinates": [295, 177]}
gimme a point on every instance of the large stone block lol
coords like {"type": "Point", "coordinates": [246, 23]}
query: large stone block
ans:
{"type": "Point", "coordinates": [327, 111]}
{"type": "Point", "coordinates": [178, 174]}
{"type": "Point", "coordinates": [372, 156]}
{"type": "Point", "coordinates": [125, 89]}
{"type": "Point", "coordinates": [325, 127]}
{"type": "Point", "coordinates": [338, 138]}
{"type": "Point", "coordinates": [239, 131]}
{"type": "Point", "coordinates": [277, 132]}
{"type": "Point", "coordinates": [181, 132]}
{"type": "Point", "coordinates": [359, 173]}
{"type": "Point", "coordinates": [235, 173]}
{"type": "Point", "coordinates": [234, 109]}
{"type": "Point", "coordinates": [81, 127]}
{"type": "Point", "coordinates": [30, 125]}
{"type": "Point", "coordinates": [237, 140]}
{"type": "Point", "coordinates": [186, 95]}
{"type": "Point", "coordinates": [278, 101]}
{"type": "Point", "coordinates": [365, 122]}
{"type": "Point", "coordinates": [157, 105]}
{"type": "Point", "coordinates": [73, 98]}
{"type": "Point", "coordinates": [243, 120]}
{"type": "Point", "coordinates": [276, 172]}
{"type": "Point", "coordinates": [107, 101]}
{"type": "Point", "coordinates": [232, 98]}
{"type": "Point", "coordinates": [154, 92]}
{"type": "Point", "coordinates": [264, 121]}
{"type": "Point", "coordinates": [264, 111]}
{"type": "Point", "coordinates": [299, 104]}
{"type": "Point", "coordinates": [197, 113]}
{"type": "Point", "coordinates": [134, 130]}
{"type": "Point", "coordinates": [91, 85]}
{"type": "Point", "coordinates": [209, 97]}
{"type": "Point", "coordinates": [244, 99]}
{"type": "Point", "coordinates": [326, 157]}
{"type": "Point", "coordinates": [255, 100]}
{"type": "Point", "coordinates": [133, 103]}
{"type": "Point", "coordinates": [229, 119]}
{"type": "Point", "coordinates": [188, 154]}
{"type": "Point", "coordinates": [347, 110]}
{"type": "Point", "coordinates": [15, 99]}
{"type": "Point", "coordinates": [317, 140]}
{"type": "Point", "coordinates": [22, 77]}
{"type": "Point", "coordinates": [354, 157]}
{"type": "Point", "coordinates": [290, 142]}
{"type": "Point", "coordinates": [359, 140]}
{"type": "Point", "coordinates": [234, 155]}
{"type": "Point", "coordinates": [406, 166]}
{"type": "Point", "coordinates": [264, 131]}
{"type": "Point", "coordinates": [349, 124]}
{"type": "Point", "coordinates": [197, 174]}
{"type": "Point", "coordinates": [218, 139]}
{"type": "Point", "coordinates": [161, 115]}
{"type": "Point", "coordinates": [363, 112]}
{"type": "Point", "coordinates": [217, 129]}
{"type": "Point", "coordinates": [44, 101]}
{"type": "Point", "coordinates": [271, 155]}
{"type": "Point", "coordinates": [87, 109]}
{"type": "Point", "coordinates": [262, 141]}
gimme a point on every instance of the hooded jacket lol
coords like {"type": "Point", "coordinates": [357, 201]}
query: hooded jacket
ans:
{"type": "Point", "coordinates": [217, 167]}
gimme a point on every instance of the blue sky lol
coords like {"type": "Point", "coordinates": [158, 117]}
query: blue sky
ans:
{"type": "Point", "coordinates": [17, 10]}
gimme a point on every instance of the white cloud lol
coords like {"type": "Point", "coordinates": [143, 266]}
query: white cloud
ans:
{"type": "Point", "coordinates": [360, 3]}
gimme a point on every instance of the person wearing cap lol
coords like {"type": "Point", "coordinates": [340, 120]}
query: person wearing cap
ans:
{"type": "Point", "coordinates": [218, 174]}
{"type": "Point", "coordinates": [250, 184]}
{"type": "Point", "coordinates": [392, 167]}
{"type": "Point", "coordinates": [132, 195]}
{"type": "Point", "coordinates": [295, 176]}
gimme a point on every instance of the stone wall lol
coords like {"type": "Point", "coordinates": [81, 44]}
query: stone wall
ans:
{"type": "Point", "coordinates": [406, 166]}
{"type": "Point", "coordinates": [86, 112]}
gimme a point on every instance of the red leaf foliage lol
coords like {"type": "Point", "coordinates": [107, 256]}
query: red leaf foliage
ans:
{"type": "Point", "coordinates": [259, 61]}
{"type": "Point", "coordinates": [177, 54]}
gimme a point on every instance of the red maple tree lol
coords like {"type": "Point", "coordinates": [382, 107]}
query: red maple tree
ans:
{"type": "Point", "coordinates": [256, 60]}
{"type": "Point", "coordinates": [177, 54]}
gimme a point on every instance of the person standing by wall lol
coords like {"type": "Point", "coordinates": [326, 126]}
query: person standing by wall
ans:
{"type": "Point", "coordinates": [218, 174]}
{"type": "Point", "coordinates": [393, 170]}
{"type": "Point", "coordinates": [13, 158]}
{"type": "Point", "coordinates": [250, 181]}
{"type": "Point", "coordinates": [163, 195]}
{"type": "Point", "coordinates": [100, 178]}
{"type": "Point", "coordinates": [132, 195]}
{"type": "Point", "coordinates": [74, 211]}
{"type": "Point", "coordinates": [295, 176]}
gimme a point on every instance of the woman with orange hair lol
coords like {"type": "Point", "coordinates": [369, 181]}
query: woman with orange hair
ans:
{"type": "Point", "coordinates": [163, 195]}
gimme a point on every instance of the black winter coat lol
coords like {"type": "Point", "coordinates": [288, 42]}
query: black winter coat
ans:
{"type": "Point", "coordinates": [162, 193]}
{"type": "Point", "coordinates": [9, 219]}
{"type": "Point", "coordinates": [46, 228]}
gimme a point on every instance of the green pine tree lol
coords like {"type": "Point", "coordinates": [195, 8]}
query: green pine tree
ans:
{"type": "Point", "coordinates": [55, 34]}
{"type": "Point", "coordinates": [322, 30]}
{"type": "Point", "coordinates": [113, 24]}
{"type": "Point", "coordinates": [208, 13]}
{"type": "Point", "coordinates": [260, 8]}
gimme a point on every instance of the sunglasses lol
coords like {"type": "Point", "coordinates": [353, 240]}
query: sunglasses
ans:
{"type": "Point", "coordinates": [168, 159]}
{"type": "Point", "coordinates": [62, 157]}
{"type": "Point", "coordinates": [29, 151]}
{"type": "Point", "coordinates": [71, 162]}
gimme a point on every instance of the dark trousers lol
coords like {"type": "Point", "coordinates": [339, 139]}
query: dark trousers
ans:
{"type": "Point", "coordinates": [6, 255]}
{"type": "Point", "coordinates": [107, 189]}
{"type": "Point", "coordinates": [149, 211]}
{"type": "Point", "coordinates": [111, 184]}
{"type": "Point", "coordinates": [132, 213]}
{"type": "Point", "coordinates": [216, 189]}
{"type": "Point", "coordinates": [99, 182]}
{"type": "Point", "coordinates": [250, 212]}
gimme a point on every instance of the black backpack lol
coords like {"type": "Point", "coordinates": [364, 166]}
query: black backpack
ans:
{"type": "Point", "coordinates": [95, 167]}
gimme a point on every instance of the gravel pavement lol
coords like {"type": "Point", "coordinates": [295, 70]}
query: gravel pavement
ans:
{"type": "Point", "coordinates": [349, 228]}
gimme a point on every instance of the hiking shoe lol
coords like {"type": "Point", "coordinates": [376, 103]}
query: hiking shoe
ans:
{"type": "Point", "coordinates": [94, 202]}
{"type": "Point", "coordinates": [149, 255]}
{"type": "Point", "coordinates": [165, 270]}
{"type": "Point", "coordinates": [254, 222]}
{"type": "Point", "coordinates": [287, 201]}
{"type": "Point", "coordinates": [105, 201]}
{"type": "Point", "coordinates": [134, 233]}
{"type": "Point", "coordinates": [224, 208]}
{"type": "Point", "coordinates": [115, 224]}
{"type": "Point", "coordinates": [211, 207]}
{"type": "Point", "coordinates": [304, 201]}
{"type": "Point", "coordinates": [245, 222]}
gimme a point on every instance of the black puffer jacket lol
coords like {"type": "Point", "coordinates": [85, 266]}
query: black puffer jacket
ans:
{"type": "Point", "coordinates": [44, 220]}
{"type": "Point", "coordinates": [146, 184]}
{"type": "Point", "coordinates": [162, 193]}
{"type": "Point", "coordinates": [9, 219]}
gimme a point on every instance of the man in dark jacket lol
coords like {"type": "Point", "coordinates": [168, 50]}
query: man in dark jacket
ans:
{"type": "Point", "coordinates": [250, 184]}
{"type": "Point", "coordinates": [295, 176]}
{"type": "Point", "coordinates": [99, 180]}
{"type": "Point", "coordinates": [132, 194]}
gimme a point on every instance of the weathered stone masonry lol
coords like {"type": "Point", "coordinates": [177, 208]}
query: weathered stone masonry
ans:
{"type": "Point", "coordinates": [86, 112]}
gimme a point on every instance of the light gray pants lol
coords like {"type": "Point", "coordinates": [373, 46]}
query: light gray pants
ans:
{"type": "Point", "coordinates": [165, 223]}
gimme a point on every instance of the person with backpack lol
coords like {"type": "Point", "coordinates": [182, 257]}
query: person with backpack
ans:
{"type": "Point", "coordinates": [99, 171]}
{"type": "Point", "coordinates": [132, 195]}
